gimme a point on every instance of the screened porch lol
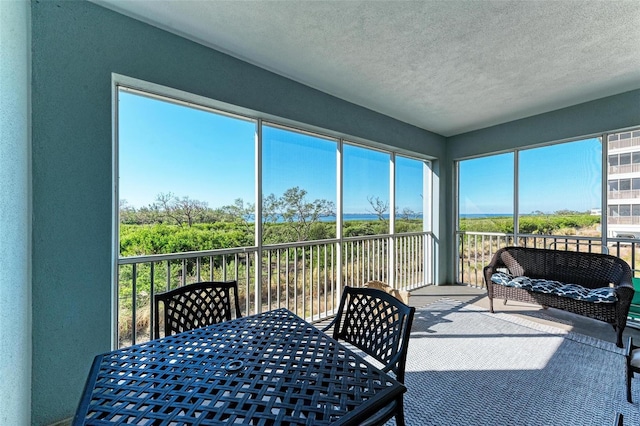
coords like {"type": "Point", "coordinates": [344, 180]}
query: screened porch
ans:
{"type": "Point", "coordinates": [459, 81]}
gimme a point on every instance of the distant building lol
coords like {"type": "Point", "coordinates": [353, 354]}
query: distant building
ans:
{"type": "Point", "coordinates": [623, 183]}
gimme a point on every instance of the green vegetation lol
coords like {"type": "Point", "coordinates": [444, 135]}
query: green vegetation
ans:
{"type": "Point", "coordinates": [139, 240]}
{"type": "Point", "coordinates": [136, 240]}
{"type": "Point", "coordinates": [559, 223]}
{"type": "Point", "coordinates": [179, 224]}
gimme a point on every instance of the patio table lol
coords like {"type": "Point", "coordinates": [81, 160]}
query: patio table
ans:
{"type": "Point", "coordinates": [266, 369]}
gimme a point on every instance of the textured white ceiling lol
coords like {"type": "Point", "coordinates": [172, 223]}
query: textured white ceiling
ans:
{"type": "Point", "coordinates": [446, 66]}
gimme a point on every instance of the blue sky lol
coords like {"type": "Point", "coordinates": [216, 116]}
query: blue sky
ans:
{"type": "Point", "coordinates": [165, 147]}
{"type": "Point", "coordinates": [564, 176]}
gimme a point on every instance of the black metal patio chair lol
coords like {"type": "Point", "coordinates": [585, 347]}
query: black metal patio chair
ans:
{"type": "Point", "coordinates": [196, 305]}
{"type": "Point", "coordinates": [378, 324]}
{"type": "Point", "coordinates": [618, 420]}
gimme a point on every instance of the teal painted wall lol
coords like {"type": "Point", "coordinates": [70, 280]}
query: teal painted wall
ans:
{"type": "Point", "coordinates": [602, 115]}
{"type": "Point", "coordinates": [589, 118]}
{"type": "Point", "coordinates": [76, 46]}
{"type": "Point", "coordinates": [15, 214]}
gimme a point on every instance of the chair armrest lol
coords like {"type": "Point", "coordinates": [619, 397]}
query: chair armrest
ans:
{"type": "Point", "coordinates": [487, 271]}
{"type": "Point", "coordinates": [625, 292]}
{"type": "Point", "coordinates": [492, 267]}
{"type": "Point", "coordinates": [331, 324]}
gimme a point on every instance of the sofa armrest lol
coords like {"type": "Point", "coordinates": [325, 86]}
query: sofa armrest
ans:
{"type": "Point", "coordinates": [492, 267]}
{"type": "Point", "coordinates": [625, 292]}
{"type": "Point", "coordinates": [487, 271]}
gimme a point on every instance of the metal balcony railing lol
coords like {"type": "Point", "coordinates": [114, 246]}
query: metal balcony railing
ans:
{"type": "Point", "coordinates": [623, 220]}
{"type": "Point", "coordinates": [632, 194]}
{"type": "Point", "coordinates": [624, 143]}
{"type": "Point", "coordinates": [304, 277]}
{"type": "Point", "coordinates": [624, 168]}
{"type": "Point", "coordinates": [475, 250]}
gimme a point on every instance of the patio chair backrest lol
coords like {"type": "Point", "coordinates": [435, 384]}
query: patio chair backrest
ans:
{"type": "Point", "coordinates": [196, 305]}
{"type": "Point", "coordinates": [376, 323]}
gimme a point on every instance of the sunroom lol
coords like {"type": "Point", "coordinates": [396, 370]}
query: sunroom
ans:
{"type": "Point", "coordinates": [484, 108]}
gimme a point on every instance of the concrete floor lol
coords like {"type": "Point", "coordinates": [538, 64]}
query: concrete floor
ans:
{"type": "Point", "coordinates": [552, 317]}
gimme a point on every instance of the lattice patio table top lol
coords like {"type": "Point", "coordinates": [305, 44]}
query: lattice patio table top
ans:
{"type": "Point", "coordinates": [272, 368]}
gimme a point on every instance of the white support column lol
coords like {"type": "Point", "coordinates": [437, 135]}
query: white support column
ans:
{"type": "Point", "coordinates": [15, 213]}
{"type": "Point", "coordinates": [339, 219]}
{"type": "Point", "coordinates": [391, 251]}
{"type": "Point", "coordinates": [604, 189]}
{"type": "Point", "coordinates": [258, 218]}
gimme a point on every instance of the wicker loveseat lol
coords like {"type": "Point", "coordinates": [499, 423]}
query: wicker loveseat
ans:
{"type": "Point", "coordinates": [591, 284]}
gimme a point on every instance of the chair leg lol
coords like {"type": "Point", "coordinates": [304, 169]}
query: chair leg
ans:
{"type": "Point", "coordinates": [619, 337]}
{"type": "Point", "coordinates": [629, 374]}
{"type": "Point", "coordinates": [399, 411]}
{"type": "Point", "coordinates": [400, 417]}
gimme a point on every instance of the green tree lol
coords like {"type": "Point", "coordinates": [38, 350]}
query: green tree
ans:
{"type": "Point", "coordinates": [127, 213]}
{"type": "Point", "coordinates": [182, 210]}
{"type": "Point", "coordinates": [291, 217]}
{"type": "Point", "coordinates": [407, 214]}
{"type": "Point", "coordinates": [380, 207]}
{"type": "Point", "coordinates": [301, 214]}
{"type": "Point", "coordinates": [239, 213]}
{"type": "Point", "coordinates": [149, 215]}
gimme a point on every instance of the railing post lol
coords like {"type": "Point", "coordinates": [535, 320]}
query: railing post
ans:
{"type": "Point", "coordinates": [134, 293]}
{"type": "Point", "coordinates": [311, 274]}
{"type": "Point", "coordinates": [152, 312]}
{"type": "Point", "coordinates": [391, 258]}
